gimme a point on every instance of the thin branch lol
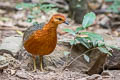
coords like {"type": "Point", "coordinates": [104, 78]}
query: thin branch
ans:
{"type": "Point", "coordinates": [78, 57]}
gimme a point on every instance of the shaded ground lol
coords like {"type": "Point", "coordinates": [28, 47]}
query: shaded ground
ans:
{"type": "Point", "coordinates": [20, 62]}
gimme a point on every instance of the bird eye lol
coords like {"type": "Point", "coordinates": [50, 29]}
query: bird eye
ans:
{"type": "Point", "coordinates": [59, 19]}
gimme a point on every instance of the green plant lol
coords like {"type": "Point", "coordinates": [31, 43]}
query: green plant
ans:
{"type": "Point", "coordinates": [115, 6]}
{"type": "Point", "coordinates": [88, 39]}
{"type": "Point", "coordinates": [35, 9]}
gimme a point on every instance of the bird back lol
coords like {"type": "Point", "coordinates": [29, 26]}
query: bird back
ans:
{"type": "Point", "coordinates": [31, 29]}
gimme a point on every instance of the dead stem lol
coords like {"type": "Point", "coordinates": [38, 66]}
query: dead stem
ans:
{"type": "Point", "coordinates": [77, 58]}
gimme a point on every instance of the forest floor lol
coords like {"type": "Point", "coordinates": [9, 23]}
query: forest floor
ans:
{"type": "Point", "coordinates": [16, 63]}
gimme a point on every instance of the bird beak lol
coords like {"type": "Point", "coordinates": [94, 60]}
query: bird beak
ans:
{"type": "Point", "coordinates": [66, 22]}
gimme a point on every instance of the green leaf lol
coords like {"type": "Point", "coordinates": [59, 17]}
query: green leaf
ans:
{"type": "Point", "coordinates": [78, 6]}
{"type": "Point", "coordinates": [94, 43]}
{"type": "Point", "coordinates": [92, 39]}
{"type": "Point", "coordinates": [108, 0]}
{"type": "Point", "coordinates": [35, 12]}
{"type": "Point", "coordinates": [29, 20]}
{"type": "Point", "coordinates": [114, 7]}
{"type": "Point", "coordinates": [88, 19]}
{"type": "Point", "coordinates": [47, 7]}
{"type": "Point", "coordinates": [66, 53]}
{"type": "Point", "coordinates": [69, 31]}
{"type": "Point", "coordinates": [108, 48]}
{"type": "Point", "coordinates": [104, 50]}
{"type": "Point", "coordinates": [25, 5]}
{"type": "Point", "coordinates": [72, 42]}
{"type": "Point", "coordinates": [84, 42]}
{"type": "Point", "coordinates": [100, 43]}
{"type": "Point", "coordinates": [35, 23]}
{"type": "Point", "coordinates": [30, 16]}
{"type": "Point", "coordinates": [86, 58]}
{"type": "Point", "coordinates": [113, 46]}
{"type": "Point", "coordinates": [94, 36]}
{"type": "Point", "coordinates": [79, 29]}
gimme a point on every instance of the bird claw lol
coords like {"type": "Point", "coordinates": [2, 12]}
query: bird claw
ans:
{"type": "Point", "coordinates": [35, 70]}
{"type": "Point", "coordinates": [42, 70]}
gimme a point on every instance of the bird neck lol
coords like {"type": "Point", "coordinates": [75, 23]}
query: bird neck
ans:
{"type": "Point", "coordinates": [51, 25]}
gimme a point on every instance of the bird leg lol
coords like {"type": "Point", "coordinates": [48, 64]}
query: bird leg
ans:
{"type": "Point", "coordinates": [34, 64]}
{"type": "Point", "coordinates": [41, 63]}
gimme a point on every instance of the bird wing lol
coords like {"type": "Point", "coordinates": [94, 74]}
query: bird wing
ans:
{"type": "Point", "coordinates": [31, 29]}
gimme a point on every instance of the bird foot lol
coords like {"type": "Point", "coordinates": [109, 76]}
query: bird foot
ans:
{"type": "Point", "coordinates": [35, 70]}
{"type": "Point", "coordinates": [41, 69]}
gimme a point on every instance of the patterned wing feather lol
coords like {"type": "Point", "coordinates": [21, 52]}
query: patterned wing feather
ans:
{"type": "Point", "coordinates": [31, 29]}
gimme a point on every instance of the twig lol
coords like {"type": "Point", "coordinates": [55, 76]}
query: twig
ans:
{"type": "Point", "coordinates": [69, 56]}
{"type": "Point", "coordinates": [78, 57]}
{"type": "Point", "coordinates": [74, 60]}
